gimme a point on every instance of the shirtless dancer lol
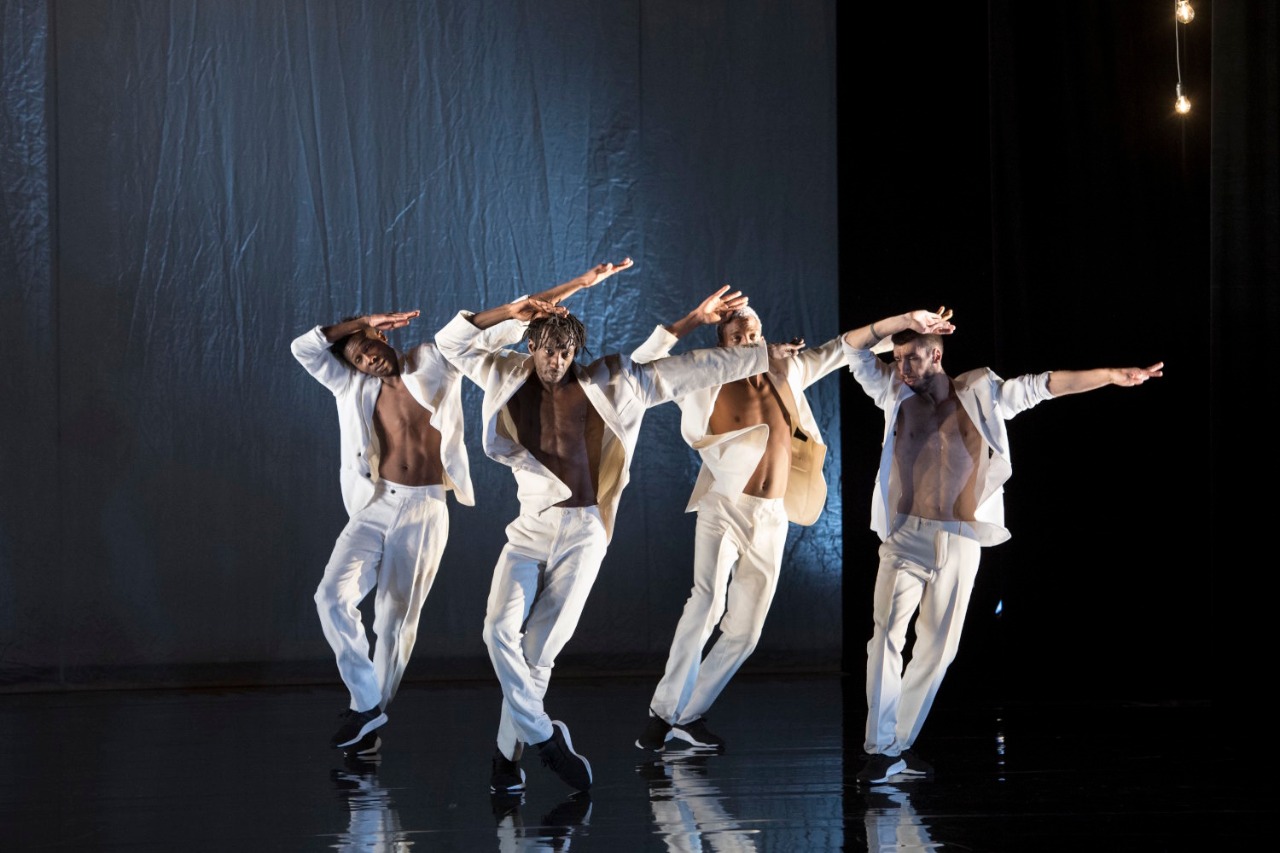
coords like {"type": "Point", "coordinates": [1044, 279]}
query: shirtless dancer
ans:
{"type": "Point", "coordinates": [568, 432]}
{"type": "Point", "coordinates": [762, 456]}
{"type": "Point", "coordinates": [401, 433]}
{"type": "Point", "coordinates": [938, 499]}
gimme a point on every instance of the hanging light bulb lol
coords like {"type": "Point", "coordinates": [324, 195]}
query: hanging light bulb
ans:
{"type": "Point", "coordinates": [1183, 103]}
{"type": "Point", "coordinates": [1183, 11]}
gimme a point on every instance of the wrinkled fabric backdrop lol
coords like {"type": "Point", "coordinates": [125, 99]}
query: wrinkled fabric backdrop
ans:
{"type": "Point", "coordinates": [188, 186]}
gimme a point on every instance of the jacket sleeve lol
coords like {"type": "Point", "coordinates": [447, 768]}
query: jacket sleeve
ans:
{"type": "Point", "coordinates": [875, 376]}
{"type": "Point", "coordinates": [676, 376]}
{"type": "Point", "coordinates": [1020, 393]}
{"type": "Point", "coordinates": [658, 345]}
{"type": "Point", "coordinates": [810, 365]}
{"type": "Point", "coordinates": [473, 350]}
{"type": "Point", "coordinates": [311, 349]}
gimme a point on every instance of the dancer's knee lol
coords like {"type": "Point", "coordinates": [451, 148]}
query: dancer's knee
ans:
{"type": "Point", "coordinates": [498, 636]}
{"type": "Point", "coordinates": [329, 599]}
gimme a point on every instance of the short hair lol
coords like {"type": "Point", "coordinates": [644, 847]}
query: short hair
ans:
{"type": "Point", "coordinates": [743, 312]}
{"type": "Point", "coordinates": [339, 347]}
{"type": "Point", "coordinates": [907, 336]}
{"type": "Point", "coordinates": [562, 329]}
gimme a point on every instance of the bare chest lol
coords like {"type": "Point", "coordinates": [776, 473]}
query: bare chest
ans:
{"type": "Point", "coordinates": [397, 410]}
{"type": "Point", "coordinates": [942, 429]}
{"type": "Point", "coordinates": [743, 404]}
{"type": "Point", "coordinates": [553, 421]}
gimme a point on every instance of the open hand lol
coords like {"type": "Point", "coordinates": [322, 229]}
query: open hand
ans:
{"type": "Point", "coordinates": [932, 322]}
{"type": "Point", "coordinates": [600, 272]}
{"type": "Point", "coordinates": [1130, 376]}
{"type": "Point", "coordinates": [393, 320]}
{"type": "Point", "coordinates": [719, 305]}
{"type": "Point", "coordinates": [533, 308]}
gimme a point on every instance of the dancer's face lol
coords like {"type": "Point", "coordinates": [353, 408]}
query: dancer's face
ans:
{"type": "Point", "coordinates": [741, 332]}
{"type": "Point", "coordinates": [551, 360]}
{"type": "Point", "coordinates": [916, 362]}
{"type": "Point", "coordinates": [369, 353]}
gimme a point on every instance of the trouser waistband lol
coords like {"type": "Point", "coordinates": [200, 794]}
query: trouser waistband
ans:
{"type": "Point", "coordinates": [745, 500]}
{"type": "Point", "coordinates": [959, 528]}
{"type": "Point", "coordinates": [435, 490]}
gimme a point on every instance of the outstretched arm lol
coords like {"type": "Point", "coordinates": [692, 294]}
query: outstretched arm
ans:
{"type": "Point", "coordinates": [381, 322]}
{"type": "Point", "coordinates": [1063, 382]}
{"type": "Point", "coordinates": [924, 322]}
{"type": "Point", "coordinates": [590, 278]}
{"type": "Point", "coordinates": [547, 302]}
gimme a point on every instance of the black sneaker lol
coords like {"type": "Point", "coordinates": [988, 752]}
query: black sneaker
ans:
{"type": "Point", "coordinates": [557, 754]}
{"type": "Point", "coordinates": [917, 767]}
{"type": "Point", "coordinates": [506, 777]}
{"type": "Point", "coordinates": [656, 733]}
{"type": "Point", "coordinates": [357, 724]}
{"type": "Point", "coordinates": [878, 768]}
{"type": "Point", "coordinates": [696, 733]}
{"type": "Point", "coordinates": [365, 749]}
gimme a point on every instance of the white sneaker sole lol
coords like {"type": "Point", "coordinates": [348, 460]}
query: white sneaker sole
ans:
{"type": "Point", "coordinates": [377, 721]}
{"type": "Point", "coordinates": [667, 737]}
{"type": "Point", "coordinates": [681, 734]}
{"type": "Point", "coordinates": [368, 752]}
{"type": "Point", "coordinates": [893, 769]}
{"type": "Point", "coordinates": [568, 743]}
{"type": "Point", "coordinates": [513, 789]}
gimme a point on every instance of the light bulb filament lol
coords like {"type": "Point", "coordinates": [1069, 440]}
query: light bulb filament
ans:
{"type": "Point", "coordinates": [1183, 103]}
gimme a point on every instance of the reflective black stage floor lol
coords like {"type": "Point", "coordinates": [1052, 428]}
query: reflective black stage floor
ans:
{"type": "Point", "coordinates": [250, 770]}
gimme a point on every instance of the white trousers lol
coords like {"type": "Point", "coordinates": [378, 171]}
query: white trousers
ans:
{"type": "Point", "coordinates": [927, 565]}
{"type": "Point", "coordinates": [540, 586]}
{"type": "Point", "coordinates": [394, 545]}
{"type": "Point", "coordinates": [737, 557]}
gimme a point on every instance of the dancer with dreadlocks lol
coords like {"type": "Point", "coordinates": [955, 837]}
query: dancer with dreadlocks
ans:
{"type": "Point", "coordinates": [568, 432]}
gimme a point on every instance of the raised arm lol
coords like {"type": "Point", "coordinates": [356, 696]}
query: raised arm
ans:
{"type": "Point", "coordinates": [313, 348]}
{"type": "Point", "coordinates": [547, 302]}
{"type": "Point", "coordinates": [711, 310]}
{"type": "Point", "coordinates": [590, 278]}
{"type": "Point", "coordinates": [381, 322]}
{"type": "Point", "coordinates": [924, 322]}
{"type": "Point", "coordinates": [717, 307]}
{"type": "Point", "coordinates": [1062, 382]}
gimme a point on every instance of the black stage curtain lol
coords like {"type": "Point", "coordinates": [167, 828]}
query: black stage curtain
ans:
{"type": "Point", "coordinates": [1029, 170]}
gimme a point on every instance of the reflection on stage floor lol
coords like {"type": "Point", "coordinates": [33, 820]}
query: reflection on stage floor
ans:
{"type": "Point", "coordinates": [250, 769]}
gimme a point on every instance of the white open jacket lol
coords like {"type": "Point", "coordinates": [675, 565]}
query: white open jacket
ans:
{"type": "Point", "coordinates": [729, 459]}
{"type": "Point", "coordinates": [434, 383]}
{"type": "Point", "coordinates": [619, 389]}
{"type": "Point", "coordinates": [987, 399]}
